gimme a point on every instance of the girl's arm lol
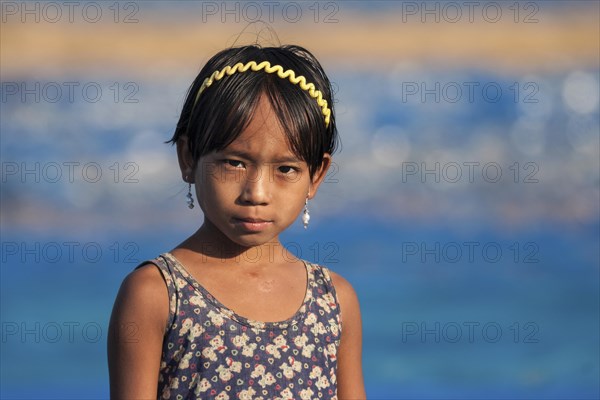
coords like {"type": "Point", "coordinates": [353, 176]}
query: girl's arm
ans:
{"type": "Point", "coordinates": [350, 382]}
{"type": "Point", "coordinates": [135, 334]}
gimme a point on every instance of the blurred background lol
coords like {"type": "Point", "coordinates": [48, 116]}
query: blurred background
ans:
{"type": "Point", "coordinates": [463, 205]}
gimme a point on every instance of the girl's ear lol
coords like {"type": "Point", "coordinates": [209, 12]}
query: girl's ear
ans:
{"type": "Point", "coordinates": [319, 175]}
{"type": "Point", "coordinates": [186, 159]}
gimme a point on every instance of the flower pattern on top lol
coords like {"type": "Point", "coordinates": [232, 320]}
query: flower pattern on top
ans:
{"type": "Point", "coordinates": [210, 352]}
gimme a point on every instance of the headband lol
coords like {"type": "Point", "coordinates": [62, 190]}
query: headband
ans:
{"type": "Point", "coordinates": [288, 74]}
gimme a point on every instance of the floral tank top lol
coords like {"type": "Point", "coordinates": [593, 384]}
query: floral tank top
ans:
{"type": "Point", "coordinates": [210, 352]}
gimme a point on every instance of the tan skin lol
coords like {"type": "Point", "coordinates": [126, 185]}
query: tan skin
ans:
{"type": "Point", "coordinates": [249, 272]}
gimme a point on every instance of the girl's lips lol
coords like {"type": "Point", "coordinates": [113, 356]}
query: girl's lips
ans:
{"type": "Point", "coordinates": [252, 224]}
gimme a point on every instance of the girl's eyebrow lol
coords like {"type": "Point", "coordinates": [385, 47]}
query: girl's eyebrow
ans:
{"type": "Point", "coordinates": [242, 154]}
{"type": "Point", "coordinates": [289, 159]}
{"type": "Point", "coordinates": [234, 152]}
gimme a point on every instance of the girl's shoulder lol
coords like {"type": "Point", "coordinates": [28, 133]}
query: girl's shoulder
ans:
{"type": "Point", "coordinates": [144, 279]}
{"type": "Point", "coordinates": [145, 290]}
{"type": "Point", "coordinates": [343, 288]}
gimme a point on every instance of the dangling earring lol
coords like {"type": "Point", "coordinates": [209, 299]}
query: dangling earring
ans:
{"type": "Point", "coordinates": [190, 199]}
{"type": "Point", "coordinates": [305, 215]}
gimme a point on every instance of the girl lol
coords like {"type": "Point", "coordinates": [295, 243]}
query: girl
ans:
{"type": "Point", "coordinates": [230, 313]}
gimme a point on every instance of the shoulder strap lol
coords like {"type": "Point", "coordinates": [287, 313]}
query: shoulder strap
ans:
{"type": "Point", "coordinates": [326, 294]}
{"type": "Point", "coordinates": [323, 279]}
{"type": "Point", "coordinates": [322, 275]}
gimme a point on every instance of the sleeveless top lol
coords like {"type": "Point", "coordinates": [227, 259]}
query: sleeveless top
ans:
{"type": "Point", "coordinates": [210, 352]}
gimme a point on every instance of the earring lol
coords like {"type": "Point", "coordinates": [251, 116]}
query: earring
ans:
{"type": "Point", "coordinates": [190, 199]}
{"type": "Point", "coordinates": [305, 215]}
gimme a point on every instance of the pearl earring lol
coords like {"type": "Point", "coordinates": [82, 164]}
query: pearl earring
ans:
{"type": "Point", "coordinates": [190, 199]}
{"type": "Point", "coordinates": [305, 215]}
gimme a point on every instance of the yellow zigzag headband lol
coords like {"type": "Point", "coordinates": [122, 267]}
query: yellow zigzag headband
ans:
{"type": "Point", "coordinates": [288, 74]}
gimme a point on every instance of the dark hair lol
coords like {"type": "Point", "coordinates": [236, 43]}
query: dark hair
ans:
{"type": "Point", "coordinates": [226, 107]}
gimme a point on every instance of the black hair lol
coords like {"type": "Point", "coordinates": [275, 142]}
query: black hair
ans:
{"type": "Point", "coordinates": [225, 108]}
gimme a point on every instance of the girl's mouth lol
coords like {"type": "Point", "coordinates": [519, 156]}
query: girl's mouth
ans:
{"type": "Point", "coordinates": [252, 224]}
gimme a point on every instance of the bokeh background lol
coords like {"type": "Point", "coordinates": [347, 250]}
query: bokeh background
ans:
{"type": "Point", "coordinates": [463, 205]}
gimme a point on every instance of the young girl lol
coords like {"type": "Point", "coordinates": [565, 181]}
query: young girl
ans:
{"type": "Point", "coordinates": [230, 313]}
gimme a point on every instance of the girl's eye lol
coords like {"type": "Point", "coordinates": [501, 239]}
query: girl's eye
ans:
{"type": "Point", "coordinates": [234, 163]}
{"type": "Point", "coordinates": [286, 169]}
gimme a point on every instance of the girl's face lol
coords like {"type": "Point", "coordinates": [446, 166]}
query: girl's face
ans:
{"type": "Point", "coordinates": [255, 188]}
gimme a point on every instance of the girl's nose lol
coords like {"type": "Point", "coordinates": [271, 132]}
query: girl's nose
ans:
{"type": "Point", "coordinates": [256, 188]}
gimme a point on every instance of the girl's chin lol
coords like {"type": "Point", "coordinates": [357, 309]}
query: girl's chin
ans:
{"type": "Point", "coordinates": [251, 240]}
{"type": "Point", "coordinates": [247, 235]}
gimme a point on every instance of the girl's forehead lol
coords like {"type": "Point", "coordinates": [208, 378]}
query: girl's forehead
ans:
{"type": "Point", "coordinates": [263, 118]}
{"type": "Point", "coordinates": [263, 133]}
